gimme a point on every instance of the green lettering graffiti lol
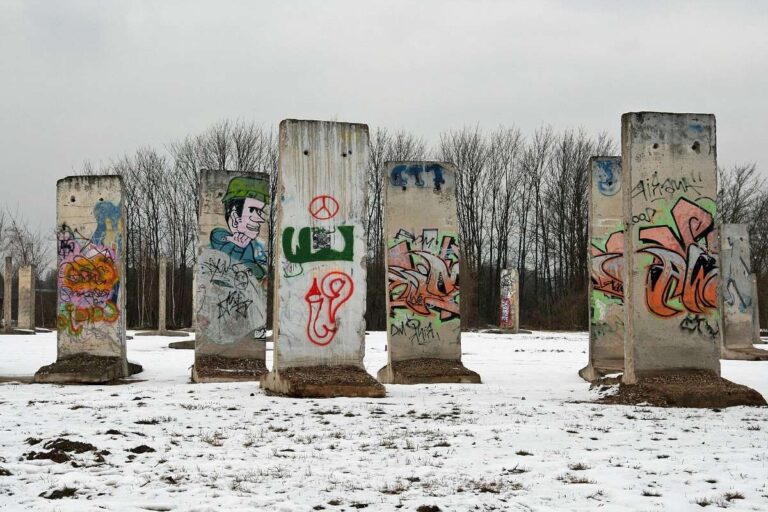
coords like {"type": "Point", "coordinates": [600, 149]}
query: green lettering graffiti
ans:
{"type": "Point", "coordinates": [314, 245]}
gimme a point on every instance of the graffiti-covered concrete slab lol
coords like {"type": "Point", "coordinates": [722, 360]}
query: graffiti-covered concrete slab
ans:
{"type": "Point", "coordinates": [27, 282]}
{"type": "Point", "coordinates": [672, 248]}
{"type": "Point", "coordinates": [319, 301]}
{"type": "Point", "coordinates": [422, 262]}
{"type": "Point", "coordinates": [739, 297]}
{"type": "Point", "coordinates": [91, 282]}
{"type": "Point", "coordinates": [231, 276]}
{"type": "Point", "coordinates": [606, 263]}
{"type": "Point", "coordinates": [509, 300]}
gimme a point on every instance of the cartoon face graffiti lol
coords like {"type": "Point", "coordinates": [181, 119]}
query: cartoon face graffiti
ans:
{"type": "Point", "coordinates": [244, 204]}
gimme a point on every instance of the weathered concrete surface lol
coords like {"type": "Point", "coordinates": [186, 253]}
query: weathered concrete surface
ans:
{"type": "Point", "coordinates": [182, 345]}
{"type": "Point", "coordinates": [422, 262]}
{"type": "Point", "coordinates": [91, 297]}
{"type": "Point", "coordinates": [509, 301]}
{"type": "Point", "coordinates": [606, 263]}
{"type": "Point", "coordinates": [7, 294]}
{"type": "Point", "coordinates": [739, 297]}
{"type": "Point", "coordinates": [669, 167]}
{"type": "Point", "coordinates": [27, 282]}
{"type": "Point", "coordinates": [231, 274]}
{"type": "Point", "coordinates": [319, 301]}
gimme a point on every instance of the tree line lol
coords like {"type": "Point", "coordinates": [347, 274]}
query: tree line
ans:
{"type": "Point", "coordinates": [522, 203]}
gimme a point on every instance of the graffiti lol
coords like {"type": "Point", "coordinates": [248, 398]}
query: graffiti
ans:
{"type": "Point", "coordinates": [646, 216]}
{"type": "Point", "coordinates": [88, 274]}
{"type": "Point", "coordinates": [608, 179]}
{"type": "Point", "coordinates": [424, 280]}
{"type": "Point", "coordinates": [234, 305]}
{"type": "Point", "coordinates": [737, 276]}
{"type": "Point", "coordinates": [244, 210]}
{"type": "Point", "coordinates": [608, 266]}
{"type": "Point", "coordinates": [416, 333]}
{"type": "Point", "coordinates": [226, 274]}
{"type": "Point", "coordinates": [653, 190]}
{"type": "Point", "coordinates": [314, 244]}
{"type": "Point", "coordinates": [292, 269]}
{"type": "Point", "coordinates": [699, 324]}
{"type": "Point", "coordinates": [684, 273]}
{"type": "Point", "coordinates": [74, 318]}
{"type": "Point", "coordinates": [323, 207]}
{"type": "Point", "coordinates": [398, 175]}
{"type": "Point", "coordinates": [324, 301]}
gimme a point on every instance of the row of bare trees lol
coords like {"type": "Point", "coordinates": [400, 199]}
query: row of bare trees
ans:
{"type": "Point", "coordinates": [522, 203]}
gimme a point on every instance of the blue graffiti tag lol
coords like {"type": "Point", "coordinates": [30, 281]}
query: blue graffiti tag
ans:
{"type": "Point", "coordinates": [106, 211]}
{"type": "Point", "coordinates": [608, 180]}
{"type": "Point", "coordinates": [398, 175]}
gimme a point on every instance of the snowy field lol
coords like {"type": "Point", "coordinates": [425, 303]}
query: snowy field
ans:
{"type": "Point", "coordinates": [522, 440]}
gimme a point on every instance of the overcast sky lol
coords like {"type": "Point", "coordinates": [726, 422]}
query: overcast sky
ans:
{"type": "Point", "coordinates": [92, 80]}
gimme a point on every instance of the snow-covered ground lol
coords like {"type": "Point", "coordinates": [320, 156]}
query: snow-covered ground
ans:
{"type": "Point", "coordinates": [522, 440]}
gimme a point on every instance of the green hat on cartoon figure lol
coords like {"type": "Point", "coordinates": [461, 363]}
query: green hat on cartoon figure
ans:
{"type": "Point", "coordinates": [244, 187]}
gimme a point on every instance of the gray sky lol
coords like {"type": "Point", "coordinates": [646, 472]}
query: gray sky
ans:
{"type": "Point", "coordinates": [96, 79]}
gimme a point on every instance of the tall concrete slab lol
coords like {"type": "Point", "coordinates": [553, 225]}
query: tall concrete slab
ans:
{"type": "Point", "coordinates": [509, 300]}
{"type": "Point", "coordinates": [231, 275]}
{"type": "Point", "coordinates": [606, 263]}
{"type": "Point", "coordinates": [27, 285]}
{"type": "Point", "coordinates": [91, 282]}
{"type": "Point", "coordinates": [739, 297]}
{"type": "Point", "coordinates": [672, 322]}
{"type": "Point", "coordinates": [422, 262]}
{"type": "Point", "coordinates": [162, 287]}
{"type": "Point", "coordinates": [320, 255]}
{"type": "Point", "coordinates": [7, 291]}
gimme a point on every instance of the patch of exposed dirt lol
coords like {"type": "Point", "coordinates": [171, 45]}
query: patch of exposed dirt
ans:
{"type": "Point", "coordinates": [57, 494]}
{"type": "Point", "coordinates": [59, 450]}
{"type": "Point", "coordinates": [701, 389]}
{"type": "Point", "coordinates": [142, 448]}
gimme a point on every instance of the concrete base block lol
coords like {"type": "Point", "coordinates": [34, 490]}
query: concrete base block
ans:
{"type": "Point", "coordinates": [601, 368]}
{"type": "Point", "coordinates": [322, 382]}
{"type": "Point", "coordinates": [427, 371]}
{"type": "Point", "coordinates": [506, 331]}
{"type": "Point", "coordinates": [744, 354]}
{"type": "Point", "coordinates": [162, 333]}
{"type": "Point", "coordinates": [182, 345]}
{"type": "Point", "coordinates": [685, 388]}
{"type": "Point", "coordinates": [86, 369]}
{"type": "Point", "coordinates": [227, 369]}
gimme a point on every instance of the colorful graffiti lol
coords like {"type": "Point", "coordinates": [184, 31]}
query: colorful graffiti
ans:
{"type": "Point", "coordinates": [683, 276]}
{"type": "Point", "coordinates": [88, 273]}
{"type": "Point", "coordinates": [324, 301]}
{"type": "Point", "coordinates": [607, 266]}
{"type": "Point", "coordinates": [244, 210]}
{"type": "Point", "coordinates": [423, 274]}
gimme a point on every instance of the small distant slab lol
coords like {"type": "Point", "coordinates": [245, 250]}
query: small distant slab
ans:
{"type": "Point", "coordinates": [182, 345]}
{"type": "Point", "coordinates": [161, 333]}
